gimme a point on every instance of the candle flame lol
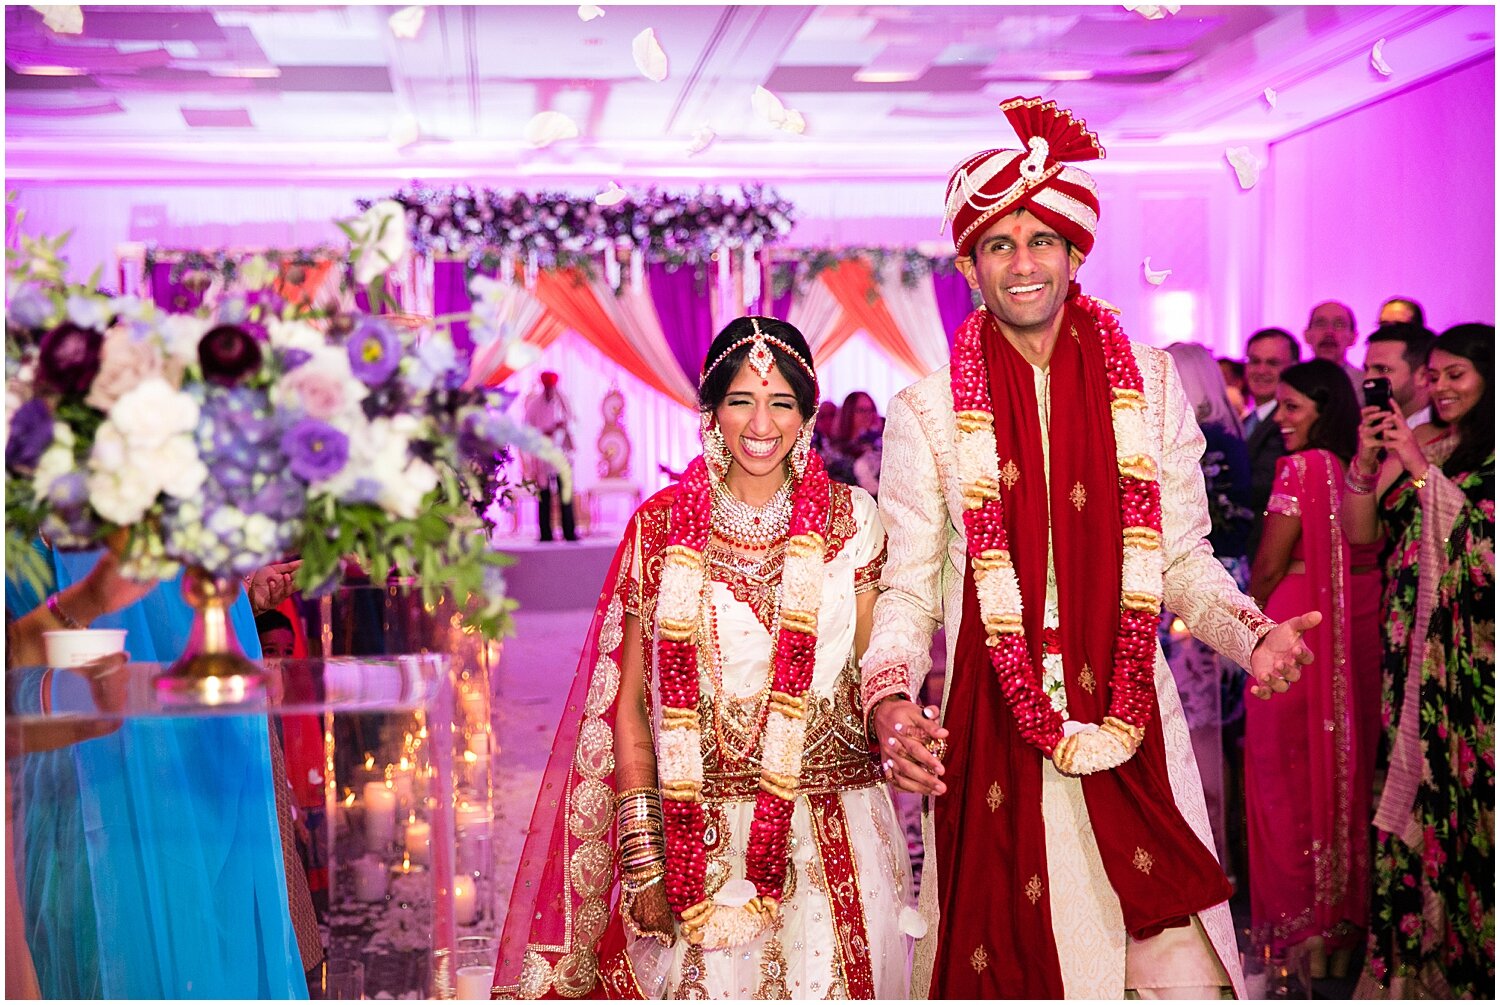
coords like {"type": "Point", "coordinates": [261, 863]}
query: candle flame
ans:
{"type": "Point", "coordinates": [369, 761]}
{"type": "Point", "coordinates": [349, 799]}
{"type": "Point", "coordinates": [471, 757]}
{"type": "Point", "coordinates": [406, 862]}
{"type": "Point", "coordinates": [405, 764]}
{"type": "Point", "coordinates": [412, 817]}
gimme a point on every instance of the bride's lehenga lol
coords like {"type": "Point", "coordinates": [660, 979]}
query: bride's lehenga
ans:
{"type": "Point", "coordinates": [838, 933]}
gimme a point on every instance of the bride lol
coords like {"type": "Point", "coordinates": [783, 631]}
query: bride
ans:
{"type": "Point", "coordinates": [712, 823]}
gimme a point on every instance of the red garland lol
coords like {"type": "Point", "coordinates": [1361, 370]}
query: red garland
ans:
{"type": "Point", "coordinates": [1132, 682]}
{"type": "Point", "coordinates": [792, 672]}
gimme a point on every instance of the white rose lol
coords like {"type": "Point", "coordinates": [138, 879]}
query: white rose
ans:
{"type": "Point", "coordinates": [121, 496]}
{"type": "Point", "coordinates": [110, 451]}
{"type": "Point", "coordinates": [403, 495]}
{"type": "Point", "coordinates": [182, 472]}
{"type": "Point", "coordinates": [295, 335]}
{"type": "Point", "coordinates": [260, 532]}
{"type": "Point", "coordinates": [151, 412]}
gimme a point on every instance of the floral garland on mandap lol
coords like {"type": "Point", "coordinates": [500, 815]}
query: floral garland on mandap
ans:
{"type": "Point", "coordinates": [561, 229]}
{"type": "Point", "coordinates": [1075, 748]}
{"type": "Point", "coordinates": [228, 439]}
{"type": "Point", "coordinates": [732, 918]}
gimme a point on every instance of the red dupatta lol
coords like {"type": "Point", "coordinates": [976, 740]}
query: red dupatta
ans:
{"type": "Point", "coordinates": [995, 936]}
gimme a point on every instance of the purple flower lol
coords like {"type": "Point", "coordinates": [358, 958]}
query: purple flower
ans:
{"type": "Point", "coordinates": [68, 359]}
{"type": "Point", "coordinates": [29, 307]}
{"type": "Point", "coordinates": [374, 352]}
{"type": "Point", "coordinates": [30, 435]}
{"type": "Point", "coordinates": [228, 355]}
{"type": "Point", "coordinates": [315, 450]}
{"type": "Point", "coordinates": [294, 358]}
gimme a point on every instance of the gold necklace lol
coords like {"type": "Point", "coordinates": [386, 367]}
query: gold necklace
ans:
{"type": "Point", "coordinates": [761, 700]}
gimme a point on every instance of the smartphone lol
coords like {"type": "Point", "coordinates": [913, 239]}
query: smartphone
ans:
{"type": "Point", "coordinates": [1378, 393]}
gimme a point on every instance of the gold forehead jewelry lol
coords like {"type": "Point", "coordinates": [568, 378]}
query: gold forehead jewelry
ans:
{"type": "Point", "coordinates": [761, 358]}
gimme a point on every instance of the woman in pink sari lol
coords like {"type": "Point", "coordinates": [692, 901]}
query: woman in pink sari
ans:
{"type": "Point", "coordinates": [1307, 769]}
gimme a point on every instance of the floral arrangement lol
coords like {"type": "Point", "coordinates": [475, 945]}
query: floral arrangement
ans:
{"type": "Point", "coordinates": [1224, 514]}
{"type": "Point", "coordinates": [559, 229]}
{"type": "Point", "coordinates": [795, 268]}
{"type": "Point", "coordinates": [1132, 695]}
{"type": "Point", "coordinates": [265, 429]}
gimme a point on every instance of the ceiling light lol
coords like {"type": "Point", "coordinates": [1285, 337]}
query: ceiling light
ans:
{"type": "Point", "coordinates": [885, 76]}
{"type": "Point", "coordinates": [254, 72]}
{"type": "Point", "coordinates": [50, 71]}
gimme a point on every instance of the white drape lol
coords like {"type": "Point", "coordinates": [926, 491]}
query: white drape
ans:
{"type": "Point", "coordinates": [915, 310]}
{"type": "Point", "coordinates": [634, 313]}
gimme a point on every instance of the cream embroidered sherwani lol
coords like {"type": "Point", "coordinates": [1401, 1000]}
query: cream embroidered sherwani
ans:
{"type": "Point", "coordinates": [921, 506]}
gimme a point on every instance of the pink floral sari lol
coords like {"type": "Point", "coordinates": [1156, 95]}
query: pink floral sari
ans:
{"type": "Point", "coordinates": [1307, 782]}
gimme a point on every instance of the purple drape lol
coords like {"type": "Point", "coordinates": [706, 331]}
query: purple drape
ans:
{"type": "Point", "coordinates": [684, 310]}
{"type": "Point", "coordinates": [450, 295]}
{"type": "Point", "coordinates": [782, 306]}
{"type": "Point", "coordinates": [170, 296]}
{"type": "Point", "coordinates": [954, 299]}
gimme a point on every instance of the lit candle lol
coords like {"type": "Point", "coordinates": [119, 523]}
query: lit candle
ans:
{"type": "Point", "coordinates": [474, 983]}
{"type": "Point", "coordinates": [465, 902]}
{"type": "Point", "coordinates": [380, 814]}
{"type": "Point", "coordinates": [369, 879]}
{"type": "Point", "coordinates": [419, 840]}
{"type": "Point", "coordinates": [400, 776]}
{"type": "Point", "coordinates": [479, 743]}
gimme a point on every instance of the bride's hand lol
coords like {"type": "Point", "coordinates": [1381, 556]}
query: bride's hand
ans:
{"type": "Point", "coordinates": [651, 913]}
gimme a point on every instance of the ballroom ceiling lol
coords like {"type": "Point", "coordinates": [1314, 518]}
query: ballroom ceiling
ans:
{"type": "Point", "coordinates": [324, 91]}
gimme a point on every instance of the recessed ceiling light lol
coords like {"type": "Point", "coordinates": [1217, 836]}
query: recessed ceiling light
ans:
{"type": "Point", "coordinates": [885, 76]}
{"type": "Point", "coordinates": [50, 71]}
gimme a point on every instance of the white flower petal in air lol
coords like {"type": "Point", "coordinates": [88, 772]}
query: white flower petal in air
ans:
{"type": "Point", "coordinates": [1377, 58]}
{"type": "Point", "coordinates": [1246, 167]}
{"type": "Point", "coordinates": [1149, 11]}
{"type": "Point", "coordinates": [546, 128]}
{"type": "Point", "coordinates": [702, 137]}
{"type": "Point", "coordinates": [1154, 276]}
{"type": "Point", "coordinates": [587, 12]}
{"type": "Point", "coordinates": [612, 196]}
{"type": "Point", "coordinates": [794, 122]}
{"type": "Point", "coordinates": [735, 893]}
{"type": "Point", "coordinates": [404, 130]}
{"type": "Point", "coordinates": [519, 355]}
{"type": "Point", "coordinates": [649, 57]}
{"type": "Point", "coordinates": [1270, 94]}
{"type": "Point", "coordinates": [407, 22]}
{"type": "Point", "coordinates": [63, 18]}
{"type": "Point", "coordinates": [912, 923]}
{"type": "Point", "coordinates": [768, 106]}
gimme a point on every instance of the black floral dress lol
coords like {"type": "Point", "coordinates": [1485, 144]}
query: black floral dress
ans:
{"type": "Point", "coordinates": [1432, 926]}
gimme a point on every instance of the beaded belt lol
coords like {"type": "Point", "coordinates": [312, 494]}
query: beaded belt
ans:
{"type": "Point", "coordinates": [851, 774]}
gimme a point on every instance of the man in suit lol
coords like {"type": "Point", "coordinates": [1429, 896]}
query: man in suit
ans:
{"type": "Point", "coordinates": [1269, 351]}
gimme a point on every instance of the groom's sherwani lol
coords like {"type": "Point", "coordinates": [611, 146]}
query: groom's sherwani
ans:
{"type": "Point", "coordinates": [922, 508]}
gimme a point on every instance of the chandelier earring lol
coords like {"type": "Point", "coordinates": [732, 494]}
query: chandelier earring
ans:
{"type": "Point", "coordinates": [715, 450]}
{"type": "Point", "coordinates": [802, 448]}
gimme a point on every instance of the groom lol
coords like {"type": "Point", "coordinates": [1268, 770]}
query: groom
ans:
{"type": "Point", "coordinates": [1042, 498]}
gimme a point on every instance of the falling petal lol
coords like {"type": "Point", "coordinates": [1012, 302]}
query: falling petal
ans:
{"type": "Point", "coordinates": [768, 106]}
{"type": "Point", "coordinates": [1377, 59]}
{"type": "Point", "coordinates": [649, 57]}
{"type": "Point", "coordinates": [912, 923]}
{"type": "Point", "coordinates": [587, 12]}
{"type": "Point", "coordinates": [1246, 167]}
{"type": "Point", "coordinates": [405, 130]}
{"type": "Point", "coordinates": [63, 18]}
{"type": "Point", "coordinates": [546, 128]}
{"type": "Point", "coordinates": [612, 196]}
{"type": "Point", "coordinates": [735, 893]}
{"type": "Point", "coordinates": [407, 22]}
{"type": "Point", "coordinates": [1154, 276]}
{"type": "Point", "coordinates": [702, 137]}
{"type": "Point", "coordinates": [1149, 11]}
{"type": "Point", "coordinates": [1270, 94]}
{"type": "Point", "coordinates": [794, 122]}
{"type": "Point", "coordinates": [519, 355]}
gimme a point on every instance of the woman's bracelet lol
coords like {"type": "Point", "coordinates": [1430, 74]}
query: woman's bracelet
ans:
{"type": "Point", "coordinates": [55, 607]}
{"type": "Point", "coordinates": [1359, 484]}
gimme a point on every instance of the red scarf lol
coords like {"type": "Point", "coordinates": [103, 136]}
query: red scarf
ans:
{"type": "Point", "coordinates": [995, 937]}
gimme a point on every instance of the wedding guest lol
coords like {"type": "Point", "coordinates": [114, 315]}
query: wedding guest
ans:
{"type": "Point", "coordinates": [1233, 372]}
{"type": "Point", "coordinates": [1331, 334]}
{"type": "Point", "coordinates": [1402, 310]}
{"type": "Point", "coordinates": [1432, 502]}
{"type": "Point", "coordinates": [548, 410]}
{"type": "Point", "coordinates": [1269, 351]}
{"type": "Point", "coordinates": [855, 433]}
{"type": "Point", "coordinates": [1309, 859]}
{"type": "Point", "coordinates": [1210, 685]}
{"type": "Point", "coordinates": [759, 854]}
{"type": "Point", "coordinates": [1398, 351]}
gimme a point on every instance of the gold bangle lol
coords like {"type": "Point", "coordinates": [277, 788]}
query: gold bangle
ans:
{"type": "Point", "coordinates": [640, 790]}
{"type": "Point", "coordinates": [1420, 481]}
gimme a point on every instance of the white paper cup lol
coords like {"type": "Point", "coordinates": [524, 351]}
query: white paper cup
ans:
{"type": "Point", "coordinates": [82, 645]}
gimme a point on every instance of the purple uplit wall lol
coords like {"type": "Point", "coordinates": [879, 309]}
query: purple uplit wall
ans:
{"type": "Point", "coordinates": [1396, 198]}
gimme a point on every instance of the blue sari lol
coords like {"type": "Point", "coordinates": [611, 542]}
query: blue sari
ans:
{"type": "Point", "coordinates": [152, 856]}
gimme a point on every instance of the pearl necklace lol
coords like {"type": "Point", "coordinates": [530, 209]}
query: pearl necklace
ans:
{"type": "Point", "coordinates": [754, 528]}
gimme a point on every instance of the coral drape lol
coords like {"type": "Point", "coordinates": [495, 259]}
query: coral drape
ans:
{"type": "Point", "coordinates": [852, 283]}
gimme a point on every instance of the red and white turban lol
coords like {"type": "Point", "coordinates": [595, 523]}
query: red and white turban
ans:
{"type": "Point", "coordinates": [997, 182]}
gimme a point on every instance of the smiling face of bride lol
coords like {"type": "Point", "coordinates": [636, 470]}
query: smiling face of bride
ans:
{"type": "Point", "coordinates": [760, 419]}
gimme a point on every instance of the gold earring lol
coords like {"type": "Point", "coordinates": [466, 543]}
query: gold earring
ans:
{"type": "Point", "coordinates": [715, 450]}
{"type": "Point", "coordinates": [802, 448]}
